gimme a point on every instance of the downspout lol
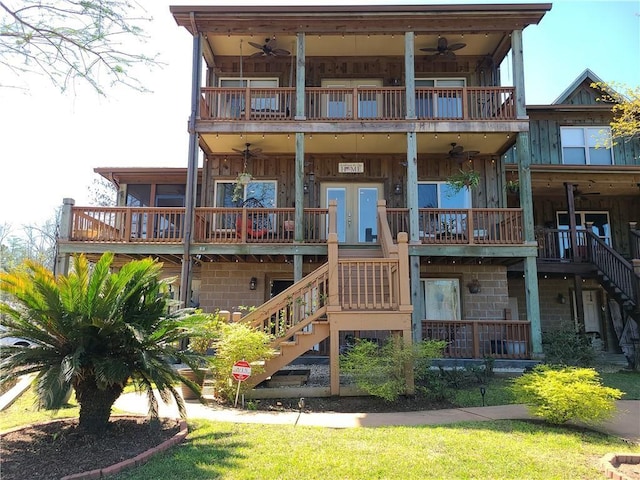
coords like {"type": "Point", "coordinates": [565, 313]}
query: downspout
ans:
{"type": "Point", "coordinates": [192, 168]}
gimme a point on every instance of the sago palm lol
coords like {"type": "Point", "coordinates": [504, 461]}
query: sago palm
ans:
{"type": "Point", "coordinates": [95, 330]}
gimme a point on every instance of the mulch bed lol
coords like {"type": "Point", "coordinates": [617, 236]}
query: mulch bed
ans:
{"type": "Point", "coordinates": [53, 450]}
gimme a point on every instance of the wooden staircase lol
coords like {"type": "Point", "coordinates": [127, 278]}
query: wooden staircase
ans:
{"type": "Point", "coordinates": [619, 278]}
{"type": "Point", "coordinates": [357, 289]}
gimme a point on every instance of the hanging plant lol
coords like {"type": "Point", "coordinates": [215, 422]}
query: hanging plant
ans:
{"type": "Point", "coordinates": [468, 179]}
{"type": "Point", "coordinates": [242, 180]}
{"type": "Point", "coordinates": [513, 186]}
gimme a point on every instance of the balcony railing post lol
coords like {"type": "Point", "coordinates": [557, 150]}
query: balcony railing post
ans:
{"type": "Point", "coordinates": [354, 112]}
{"type": "Point", "coordinates": [476, 339]}
{"type": "Point", "coordinates": [470, 227]}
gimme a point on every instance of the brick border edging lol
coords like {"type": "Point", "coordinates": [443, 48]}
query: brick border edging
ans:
{"type": "Point", "coordinates": [610, 460]}
{"type": "Point", "coordinates": [136, 461]}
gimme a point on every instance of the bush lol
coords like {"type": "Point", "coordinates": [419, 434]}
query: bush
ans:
{"type": "Point", "coordinates": [568, 393]}
{"type": "Point", "coordinates": [237, 341]}
{"type": "Point", "coordinates": [566, 347]}
{"type": "Point", "coordinates": [381, 371]}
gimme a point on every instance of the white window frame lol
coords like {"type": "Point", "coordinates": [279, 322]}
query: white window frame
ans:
{"type": "Point", "coordinates": [439, 185]}
{"type": "Point", "coordinates": [266, 103]}
{"type": "Point", "coordinates": [456, 303]}
{"type": "Point", "coordinates": [437, 84]}
{"type": "Point", "coordinates": [606, 133]}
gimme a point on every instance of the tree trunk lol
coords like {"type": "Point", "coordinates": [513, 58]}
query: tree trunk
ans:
{"type": "Point", "coordinates": [95, 404]}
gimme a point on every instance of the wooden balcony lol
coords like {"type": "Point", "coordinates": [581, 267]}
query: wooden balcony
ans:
{"type": "Point", "coordinates": [483, 226]}
{"type": "Point", "coordinates": [488, 226]}
{"type": "Point", "coordinates": [505, 339]}
{"type": "Point", "coordinates": [358, 104]}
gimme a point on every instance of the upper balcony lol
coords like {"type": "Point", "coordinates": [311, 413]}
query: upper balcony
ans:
{"type": "Point", "coordinates": [357, 104]}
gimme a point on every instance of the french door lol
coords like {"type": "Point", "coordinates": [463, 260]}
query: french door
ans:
{"type": "Point", "coordinates": [357, 215]}
{"type": "Point", "coordinates": [339, 103]}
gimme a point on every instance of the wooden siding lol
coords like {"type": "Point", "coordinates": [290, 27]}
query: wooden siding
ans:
{"type": "Point", "coordinates": [389, 69]}
{"type": "Point", "coordinates": [583, 95]}
{"type": "Point", "coordinates": [622, 210]}
{"type": "Point", "coordinates": [386, 169]}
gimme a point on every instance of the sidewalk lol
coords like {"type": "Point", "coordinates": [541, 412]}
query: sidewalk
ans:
{"type": "Point", "coordinates": [625, 424]}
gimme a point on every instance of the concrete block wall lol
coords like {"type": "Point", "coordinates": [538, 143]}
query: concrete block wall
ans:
{"type": "Point", "coordinates": [492, 300]}
{"type": "Point", "coordinates": [225, 286]}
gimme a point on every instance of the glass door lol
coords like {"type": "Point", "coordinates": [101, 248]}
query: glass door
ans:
{"type": "Point", "coordinates": [339, 104]}
{"type": "Point", "coordinates": [357, 215]}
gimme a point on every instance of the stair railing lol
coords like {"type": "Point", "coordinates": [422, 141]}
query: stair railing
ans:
{"type": "Point", "coordinates": [613, 265]}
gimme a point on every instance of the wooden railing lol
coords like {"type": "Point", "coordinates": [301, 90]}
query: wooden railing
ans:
{"type": "Point", "coordinates": [293, 309]}
{"type": "Point", "coordinates": [248, 104]}
{"type": "Point", "coordinates": [492, 226]}
{"type": "Point", "coordinates": [555, 245]}
{"type": "Point", "coordinates": [480, 338]}
{"type": "Point", "coordinates": [368, 284]}
{"type": "Point", "coordinates": [613, 265]}
{"type": "Point", "coordinates": [358, 103]}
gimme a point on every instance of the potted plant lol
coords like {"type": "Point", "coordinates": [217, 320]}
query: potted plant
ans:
{"type": "Point", "coordinates": [465, 178]}
{"type": "Point", "coordinates": [513, 186]}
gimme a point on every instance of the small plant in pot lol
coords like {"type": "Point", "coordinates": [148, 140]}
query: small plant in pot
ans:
{"type": "Point", "coordinates": [242, 180]}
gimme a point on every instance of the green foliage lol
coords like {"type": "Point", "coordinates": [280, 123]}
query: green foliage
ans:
{"type": "Point", "coordinates": [468, 179]}
{"type": "Point", "coordinates": [237, 341]}
{"type": "Point", "coordinates": [568, 393]}
{"type": "Point", "coordinates": [202, 338]}
{"type": "Point", "coordinates": [94, 330]}
{"type": "Point", "coordinates": [625, 103]}
{"type": "Point", "coordinates": [381, 370]}
{"type": "Point", "coordinates": [566, 347]}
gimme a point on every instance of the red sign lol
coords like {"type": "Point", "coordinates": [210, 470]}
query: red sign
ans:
{"type": "Point", "coordinates": [241, 370]}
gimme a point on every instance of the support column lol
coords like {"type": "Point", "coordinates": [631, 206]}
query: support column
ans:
{"type": "Point", "coordinates": [300, 77]}
{"type": "Point", "coordinates": [61, 265]}
{"type": "Point", "coordinates": [530, 267]}
{"type": "Point", "coordinates": [518, 73]}
{"type": "Point", "coordinates": [192, 172]}
{"type": "Point", "coordinates": [299, 199]}
{"type": "Point", "coordinates": [410, 75]}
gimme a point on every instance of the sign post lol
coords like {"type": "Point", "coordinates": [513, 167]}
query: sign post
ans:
{"type": "Point", "coordinates": [241, 371]}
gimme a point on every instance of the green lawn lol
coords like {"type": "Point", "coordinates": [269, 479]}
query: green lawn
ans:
{"type": "Point", "coordinates": [483, 450]}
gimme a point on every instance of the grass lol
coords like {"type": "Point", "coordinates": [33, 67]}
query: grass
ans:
{"type": "Point", "coordinates": [495, 450]}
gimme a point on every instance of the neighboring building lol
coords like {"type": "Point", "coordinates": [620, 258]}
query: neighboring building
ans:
{"type": "Point", "coordinates": [350, 121]}
{"type": "Point", "coordinates": [586, 279]}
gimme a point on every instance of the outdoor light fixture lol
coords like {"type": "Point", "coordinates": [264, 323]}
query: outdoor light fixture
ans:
{"type": "Point", "coordinates": [483, 390]}
{"type": "Point", "coordinates": [253, 283]}
{"type": "Point", "coordinates": [397, 189]}
{"type": "Point", "coordinates": [561, 299]}
{"type": "Point", "coordinates": [305, 187]}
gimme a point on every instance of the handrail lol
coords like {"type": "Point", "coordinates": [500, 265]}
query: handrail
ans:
{"type": "Point", "coordinates": [389, 249]}
{"type": "Point", "coordinates": [554, 244]}
{"type": "Point", "coordinates": [480, 338]}
{"type": "Point", "coordinates": [294, 308]}
{"type": "Point", "coordinates": [614, 266]}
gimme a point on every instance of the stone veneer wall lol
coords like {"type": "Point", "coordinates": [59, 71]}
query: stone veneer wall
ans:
{"type": "Point", "coordinates": [492, 300]}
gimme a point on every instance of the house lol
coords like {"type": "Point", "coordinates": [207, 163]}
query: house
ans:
{"type": "Point", "coordinates": [328, 135]}
{"type": "Point", "coordinates": [586, 200]}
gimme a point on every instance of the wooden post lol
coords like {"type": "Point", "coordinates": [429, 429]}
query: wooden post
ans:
{"type": "Point", "coordinates": [409, 376]}
{"type": "Point", "coordinates": [333, 300]}
{"type": "Point", "coordinates": [299, 212]}
{"type": "Point", "coordinates": [475, 339]}
{"type": "Point", "coordinates": [577, 285]}
{"type": "Point", "coordinates": [403, 271]}
{"type": "Point", "coordinates": [518, 74]}
{"type": "Point", "coordinates": [410, 75]}
{"type": "Point", "coordinates": [300, 77]}
{"type": "Point", "coordinates": [571, 209]}
{"type": "Point", "coordinates": [334, 358]}
{"type": "Point", "coordinates": [633, 242]}
{"type": "Point", "coordinates": [61, 265]}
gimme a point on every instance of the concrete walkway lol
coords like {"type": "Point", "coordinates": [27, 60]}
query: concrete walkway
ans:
{"type": "Point", "coordinates": [625, 424]}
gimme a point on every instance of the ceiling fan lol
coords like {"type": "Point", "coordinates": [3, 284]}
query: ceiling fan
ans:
{"type": "Point", "coordinates": [444, 49]}
{"type": "Point", "coordinates": [247, 153]}
{"type": "Point", "coordinates": [579, 194]}
{"type": "Point", "coordinates": [268, 50]}
{"type": "Point", "coordinates": [459, 154]}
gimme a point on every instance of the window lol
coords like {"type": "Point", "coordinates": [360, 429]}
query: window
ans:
{"type": "Point", "coordinates": [600, 221]}
{"type": "Point", "coordinates": [256, 191]}
{"type": "Point", "coordinates": [440, 195]}
{"type": "Point", "coordinates": [585, 146]}
{"type": "Point", "coordinates": [232, 104]}
{"type": "Point", "coordinates": [446, 102]}
{"type": "Point", "coordinates": [442, 298]}
{"type": "Point", "coordinates": [450, 223]}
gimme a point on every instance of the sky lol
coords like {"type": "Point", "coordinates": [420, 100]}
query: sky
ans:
{"type": "Point", "coordinates": [51, 141]}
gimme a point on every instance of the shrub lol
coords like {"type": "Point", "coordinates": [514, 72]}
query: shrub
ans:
{"type": "Point", "coordinates": [566, 347]}
{"type": "Point", "coordinates": [567, 393]}
{"type": "Point", "coordinates": [237, 341]}
{"type": "Point", "coordinates": [381, 370]}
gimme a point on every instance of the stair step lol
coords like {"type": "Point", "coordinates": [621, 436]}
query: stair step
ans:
{"type": "Point", "coordinates": [288, 344]}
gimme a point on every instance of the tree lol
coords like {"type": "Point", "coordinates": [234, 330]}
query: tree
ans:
{"type": "Point", "coordinates": [66, 40]}
{"type": "Point", "coordinates": [94, 330]}
{"type": "Point", "coordinates": [626, 110]}
{"type": "Point", "coordinates": [102, 193]}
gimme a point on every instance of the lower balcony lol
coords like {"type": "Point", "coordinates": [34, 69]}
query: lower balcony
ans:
{"type": "Point", "coordinates": [154, 225]}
